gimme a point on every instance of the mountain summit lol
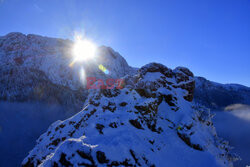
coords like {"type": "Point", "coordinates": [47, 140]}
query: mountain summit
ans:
{"type": "Point", "coordinates": [150, 122]}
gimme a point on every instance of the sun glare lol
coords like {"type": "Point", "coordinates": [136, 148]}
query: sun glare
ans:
{"type": "Point", "coordinates": [83, 50]}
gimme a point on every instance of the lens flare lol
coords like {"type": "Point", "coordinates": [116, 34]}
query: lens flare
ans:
{"type": "Point", "coordinates": [82, 76]}
{"type": "Point", "coordinates": [103, 69]}
{"type": "Point", "coordinates": [83, 49]}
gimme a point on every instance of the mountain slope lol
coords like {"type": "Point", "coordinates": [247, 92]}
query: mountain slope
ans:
{"type": "Point", "coordinates": [218, 96]}
{"type": "Point", "coordinates": [150, 122]}
{"type": "Point", "coordinates": [36, 68]}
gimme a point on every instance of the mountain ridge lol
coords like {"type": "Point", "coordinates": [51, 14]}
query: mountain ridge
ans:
{"type": "Point", "coordinates": [218, 96]}
{"type": "Point", "coordinates": [36, 68]}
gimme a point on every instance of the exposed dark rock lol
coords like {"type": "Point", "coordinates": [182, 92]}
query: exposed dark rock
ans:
{"type": "Point", "coordinates": [136, 124]}
{"type": "Point", "coordinates": [113, 125]}
{"type": "Point", "coordinates": [55, 142]}
{"type": "Point", "coordinates": [64, 161]}
{"type": "Point", "coordinates": [143, 93]}
{"type": "Point", "coordinates": [111, 107]}
{"type": "Point", "coordinates": [134, 157]}
{"type": "Point", "coordinates": [99, 127]}
{"type": "Point", "coordinates": [29, 163]}
{"type": "Point", "coordinates": [110, 92]}
{"type": "Point", "coordinates": [101, 157]}
{"type": "Point", "coordinates": [186, 139]}
{"type": "Point", "coordinates": [86, 156]}
{"type": "Point", "coordinates": [123, 104]}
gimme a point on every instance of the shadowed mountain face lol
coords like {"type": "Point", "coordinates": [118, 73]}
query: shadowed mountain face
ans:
{"type": "Point", "coordinates": [218, 96]}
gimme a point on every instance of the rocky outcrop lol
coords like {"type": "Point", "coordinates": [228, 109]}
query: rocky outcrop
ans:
{"type": "Point", "coordinates": [184, 77]}
{"type": "Point", "coordinates": [150, 122]}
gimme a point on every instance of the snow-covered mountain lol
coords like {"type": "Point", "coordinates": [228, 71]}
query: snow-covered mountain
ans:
{"type": "Point", "coordinates": [218, 96]}
{"type": "Point", "coordinates": [33, 67]}
{"type": "Point", "coordinates": [150, 122]}
{"type": "Point", "coordinates": [36, 68]}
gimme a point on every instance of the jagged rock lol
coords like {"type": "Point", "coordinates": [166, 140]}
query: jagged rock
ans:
{"type": "Point", "coordinates": [183, 76]}
{"type": "Point", "coordinates": [136, 124]}
{"type": "Point", "coordinates": [151, 130]}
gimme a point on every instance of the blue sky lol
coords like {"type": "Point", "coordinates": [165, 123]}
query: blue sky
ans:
{"type": "Point", "coordinates": [211, 37]}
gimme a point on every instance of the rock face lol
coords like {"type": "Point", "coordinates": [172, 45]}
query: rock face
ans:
{"type": "Point", "coordinates": [36, 68]}
{"type": "Point", "coordinates": [218, 96]}
{"type": "Point", "coordinates": [150, 122]}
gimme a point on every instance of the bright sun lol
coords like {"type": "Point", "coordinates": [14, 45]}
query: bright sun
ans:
{"type": "Point", "coordinates": [83, 50]}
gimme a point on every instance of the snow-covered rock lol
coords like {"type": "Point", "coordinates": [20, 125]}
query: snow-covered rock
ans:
{"type": "Point", "coordinates": [218, 96]}
{"type": "Point", "coordinates": [150, 122]}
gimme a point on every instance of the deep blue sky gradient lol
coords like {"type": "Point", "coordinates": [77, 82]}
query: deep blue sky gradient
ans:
{"type": "Point", "coordinates": [211, 37]}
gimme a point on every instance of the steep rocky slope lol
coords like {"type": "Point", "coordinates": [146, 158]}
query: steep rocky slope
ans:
{"type": "Point", "coordinates": [150, 122]}
{"type": "Point", "coordinates": [36, 68]}
{"type": "Point", "coordinates": [218, 96]}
